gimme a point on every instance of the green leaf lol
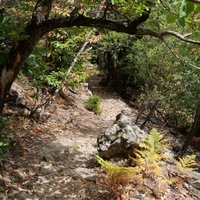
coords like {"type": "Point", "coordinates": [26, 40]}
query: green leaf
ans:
{"type": "Point", "coordinates": [189, 8]}
{"type": "Point", "coordinates": [197, 33]}
{"type": "Point", "coordinates": [113, 2]}
{"type": "Point", "coordinates": [176, 2]}
{"type": "Point", "coordinates": [181, 21]}
{"type": "Point", "coordinates": [171, 18]}
{"type": "Point", "coordinates": [182, 12]}
{"type": "Point", "coordinates": [198, 8]}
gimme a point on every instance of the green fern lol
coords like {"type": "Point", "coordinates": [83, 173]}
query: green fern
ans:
{"type": "Point", "coordinates": [187, 163]}
{"type": "Point", "coordinates": [113, 170]}
{"type": "Point", "coordinates": [149, 157]}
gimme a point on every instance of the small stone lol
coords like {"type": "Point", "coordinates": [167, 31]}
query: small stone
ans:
{"type": "Point", "coordinates": [20, 101]}
{"type": "Point", "coordinates": [47, 169]}
{"type": "Point", "coordinates": [86, 174]}
{"type": "Point", "coordinates": [18, 175]}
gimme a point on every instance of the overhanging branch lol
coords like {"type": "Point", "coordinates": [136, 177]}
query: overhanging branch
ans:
{"type": "Point", "coordinates": [168, 33]}
{"type": "Point", "coordinates": [131, 28]}
{"type": "Point", "coordinates": [88, 22]}
{"type": "Point", "coordinates": [194, 1]}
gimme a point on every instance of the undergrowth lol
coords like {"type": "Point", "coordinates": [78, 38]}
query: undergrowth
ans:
{"type": "Point", "coordinates": [187, 163]}
{"type": "Point", "coordinates": [117, 178]}
{"type": "Point", "coordinates": [150, 155]}
{"type": "Point", "coordinates": [150, 170]}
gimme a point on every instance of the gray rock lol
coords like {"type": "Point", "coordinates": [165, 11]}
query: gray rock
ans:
{"type": "Point", "coordinates": [196, 184]}
{"type": "Point", "coordinates": [195, 191]}
{"type": "Point", "coordinates": [195, 179]}
{"type": "Point", "coordinates": [47, 169]}
{"type": "Point", "coordinates": [20, 101]}
{"type": "Point", "coordinates": [119, 139]}
{"type": "Point", "coordinates": [194, 175]}
{"type": "Point", "coordinates": [85, 174]}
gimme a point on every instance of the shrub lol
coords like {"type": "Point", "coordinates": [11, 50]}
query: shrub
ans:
{"type": "Point", "coordinates": [93, 104]}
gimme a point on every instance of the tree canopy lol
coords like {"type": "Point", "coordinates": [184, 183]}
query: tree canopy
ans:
{"type": "Point", "coordinates": [23, 23]}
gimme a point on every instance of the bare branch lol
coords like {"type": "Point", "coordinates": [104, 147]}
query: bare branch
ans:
{"type": "Point", "coordinates": [179, 58]}
{"type": "Point", "coordinates": [181, 37]}
{"type": "Point", "coordinates": [131, 28]}
{"type": "Point", "coordinates": [194, 1]}
{"type": "Point", "coordinates": [168, 33]}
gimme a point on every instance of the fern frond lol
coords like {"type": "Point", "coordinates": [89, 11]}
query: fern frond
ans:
{"type": "Point", "coordinates": [149, 157]}
{"type": "Point", "coordinates": [117, 178]}
{"type": "Point", "coordinates": [114, 170]}
{"type": "Point", "coordinates": [187, 163]}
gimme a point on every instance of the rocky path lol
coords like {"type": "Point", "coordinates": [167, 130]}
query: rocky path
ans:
{"type": "Point", "coordinates": [54, 159]}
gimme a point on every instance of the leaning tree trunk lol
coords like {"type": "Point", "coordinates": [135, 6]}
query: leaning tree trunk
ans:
{"type": "Point", "coordinates": [9, 71]}
{"type": "Point", "coordinates": [22, 49]}
{"type": "Point", "coordinates": [194, 130]}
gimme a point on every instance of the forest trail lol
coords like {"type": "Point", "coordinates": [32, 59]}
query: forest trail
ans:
{"type": "Point", "coordinates": [55, 159]}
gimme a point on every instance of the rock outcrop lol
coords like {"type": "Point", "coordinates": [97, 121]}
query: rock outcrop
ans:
{"type": "Point", "coordinates": [120, 139]}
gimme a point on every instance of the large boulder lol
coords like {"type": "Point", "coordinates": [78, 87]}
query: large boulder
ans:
{"type": "Point", "coordinates": [120, 139]}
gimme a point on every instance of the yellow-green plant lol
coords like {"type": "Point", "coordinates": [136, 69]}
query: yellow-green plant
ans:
{"type": "Point", "coordinates": [117, 178]}
{"type": "Point", "coordinates": [149, 155]}
{"type": "Point", "coordinates": [187, 163]}
{"type": "Point", "coordinates": [149, 164]}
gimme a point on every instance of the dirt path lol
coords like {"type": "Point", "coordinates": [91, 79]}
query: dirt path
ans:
{"type": "Point", "coordinates": [54, 160]}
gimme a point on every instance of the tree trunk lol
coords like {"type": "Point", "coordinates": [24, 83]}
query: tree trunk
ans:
{"type": "Point", "coordinates": [22, 49]}
{"type": "Point", "coordinates": [197, 123]}
{"type": "Point", "coordinates": [194, 130]}
{"type": "Point", "coordinates": [9, 72]}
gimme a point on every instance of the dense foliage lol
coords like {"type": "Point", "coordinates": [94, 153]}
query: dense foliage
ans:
{"type": "Point", "coordinates": [148, 66]}
{"type": "Point", "coordinates": [49, 62]}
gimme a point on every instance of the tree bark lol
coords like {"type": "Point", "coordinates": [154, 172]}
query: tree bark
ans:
{"type": "Point", "coordinates": [194, 130]}
{"type": "Point", "coordinates": [22, 49]}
